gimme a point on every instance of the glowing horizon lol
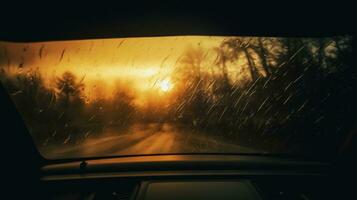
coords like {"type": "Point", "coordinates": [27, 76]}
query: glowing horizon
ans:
{"type": "Point", "coordinates": [143, 66]}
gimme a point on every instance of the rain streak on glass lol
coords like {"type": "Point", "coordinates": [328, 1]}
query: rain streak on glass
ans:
{"type": "Point", "coordinates": [184, 94]}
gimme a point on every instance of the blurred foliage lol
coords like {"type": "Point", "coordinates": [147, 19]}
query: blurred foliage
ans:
{"type": "Point", "coordinates": [292, 95]}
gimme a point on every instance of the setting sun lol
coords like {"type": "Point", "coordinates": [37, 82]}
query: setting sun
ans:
{"type": "Point", "coordinates": [198, 94]}
{"type": "Point", "coordinates": [165, 85]}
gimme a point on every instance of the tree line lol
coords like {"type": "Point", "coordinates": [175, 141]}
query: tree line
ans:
{"type": "Point", "coordinates": [62, 114]}
{"type": "Point", "coordinates": [277, 94]}
{"type": "Point", "coordinates": [297, 95]}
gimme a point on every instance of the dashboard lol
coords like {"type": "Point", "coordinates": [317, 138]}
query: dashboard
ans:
{"type": "Point", "coordinates": [185, 177]}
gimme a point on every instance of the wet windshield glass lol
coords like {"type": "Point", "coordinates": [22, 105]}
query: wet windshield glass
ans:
{"type": "Point", "coordinates": [185, 94]}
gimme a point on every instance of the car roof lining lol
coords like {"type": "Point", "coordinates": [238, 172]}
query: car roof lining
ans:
{"type": "Point", "coordinates": [130, 20]}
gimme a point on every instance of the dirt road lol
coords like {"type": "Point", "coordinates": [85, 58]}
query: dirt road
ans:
{"type": "Point", "coordinates": [145, 139]}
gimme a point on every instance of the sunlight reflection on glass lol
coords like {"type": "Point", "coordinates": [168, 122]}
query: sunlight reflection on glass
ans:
{"type": "Point", "coordinates": [182, 94]}
{"type": "Point", "coordinates": [165, 85]}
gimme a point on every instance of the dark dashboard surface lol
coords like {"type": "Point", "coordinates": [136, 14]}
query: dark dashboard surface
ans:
{"type": "Point", "coordinates": [190, 177]}
{"type": "Point", "coordinates": [160, 165]}
{"type": "Point", "coordinates": [176, 190]}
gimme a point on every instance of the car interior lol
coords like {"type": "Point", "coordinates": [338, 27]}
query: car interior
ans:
{"type": "Point", "coordinates": [325, 170]}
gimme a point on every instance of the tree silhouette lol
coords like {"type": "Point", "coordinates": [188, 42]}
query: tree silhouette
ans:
{"type": "Point", "coordinates": [68, 88]}
{"type": "Point", "coordinates": [70, 104]}
{"type": "Point", "coordinates": [192, 78]}
{"type": "Point", "coordinates": [229, 51]}
{"type": "Point", "coordinates": [121, 106]}
{"type": "Point", "coordinates": [193, 59]}
{"type": "Point", "coordinates": [263, 54]}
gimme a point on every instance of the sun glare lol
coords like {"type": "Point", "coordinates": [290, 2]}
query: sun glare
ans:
{"type": "Point", "coordinates": [165, 85]}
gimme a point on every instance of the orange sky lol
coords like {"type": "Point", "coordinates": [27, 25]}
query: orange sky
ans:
{"type": "Point", "coordinates": [142, 62]}
{"type": "Point", "coordinates": [145, 64]}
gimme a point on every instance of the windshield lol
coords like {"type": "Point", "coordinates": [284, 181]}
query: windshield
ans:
{"type": "Point", "coordinates": [185, 94]}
